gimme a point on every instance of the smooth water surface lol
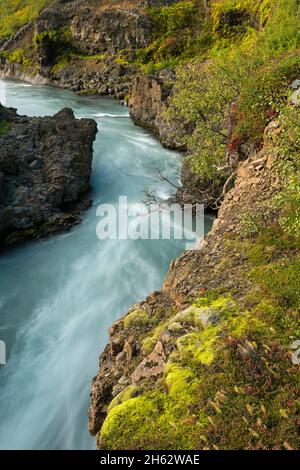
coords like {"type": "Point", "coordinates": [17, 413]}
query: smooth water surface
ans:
{"type": "Point", "coordinates": [59, 296]}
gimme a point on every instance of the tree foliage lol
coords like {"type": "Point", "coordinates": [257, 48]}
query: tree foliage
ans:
{"type": "Point", "coordinates": [224, 103]}
{"type": "Point", "coordinates": [16, 13]}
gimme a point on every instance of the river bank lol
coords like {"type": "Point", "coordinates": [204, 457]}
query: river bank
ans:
{"type": "Point", "coordinates": [55, 321]}
{"type": "Point", "coordinates": [194, 365]}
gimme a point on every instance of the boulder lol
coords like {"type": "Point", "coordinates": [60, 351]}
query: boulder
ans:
{"type": "Point", "coordinates": [45, 167]}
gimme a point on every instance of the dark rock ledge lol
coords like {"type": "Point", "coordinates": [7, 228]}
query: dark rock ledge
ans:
{"type": "Point", "coordinates": [45, 167]}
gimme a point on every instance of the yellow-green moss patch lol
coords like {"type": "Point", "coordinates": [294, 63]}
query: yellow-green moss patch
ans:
{"type": "Point", "coordinates": [137, 318]}
{"type": "Point", "coordinates": [126, 394]}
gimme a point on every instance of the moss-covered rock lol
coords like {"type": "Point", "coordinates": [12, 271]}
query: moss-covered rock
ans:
{"type": "Point", "coordinates": [128, 393]}
{"type": "Point", "coordinates": [136, 319]}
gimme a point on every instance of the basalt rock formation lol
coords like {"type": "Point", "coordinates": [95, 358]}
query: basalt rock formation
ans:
{"type": "Point", "coordinates": [148, 103]}
{"type": "Point", "coordinates": [45, 167]}
{"type": "Point", "coordinates": [75, 44]}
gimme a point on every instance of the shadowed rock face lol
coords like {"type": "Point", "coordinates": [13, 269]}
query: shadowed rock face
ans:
{"type": "Point", "coordinates": [147, 104]}
{"type": "Point", "coordinates": [45, 167]}
{"type": "Point", "coordinates": [110, 31]}
{"type": "Point", "coordinates": [95, 29]}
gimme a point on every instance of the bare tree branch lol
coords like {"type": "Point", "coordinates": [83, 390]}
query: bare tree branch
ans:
{"type": "Point", "coordinates": [160, 177]}
{"type": "Point", "coordinates": [225, 190]}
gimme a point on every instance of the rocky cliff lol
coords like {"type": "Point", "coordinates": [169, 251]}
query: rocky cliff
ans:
{"type": "Point", "coordinates": [45, 167]}
{"type": "Point", "coordinates": [78, 44]}
{"type": "Point", "coordinates": [194, 366]}
{"type": "Point", "coordinates": [148, 104]}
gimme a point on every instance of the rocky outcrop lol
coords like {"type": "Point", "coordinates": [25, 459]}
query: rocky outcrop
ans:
{"type": "Point", "coordinates": [45, 167]}
{"type": "Point", "coordinates": [110, 31]}
{"type": "Point", "coordinates": [75, 44]}
{"type": "Point", "coordinates": [148, 103]}
{"type": "Point", "coordinates": [141, 343]}
{"type": "Point", "coordinates": [78, 45]}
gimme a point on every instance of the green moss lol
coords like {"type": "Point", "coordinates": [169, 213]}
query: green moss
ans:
{"type": "Point", "coordinates": [148, 345]}
{"type": "Point", "coordinates": [190, 315]}
{"type": "Point", "coordinates": [220, 389]}
{"type": "Point", "coordinates": [281, 282]}
{"type": "Point", "coordinates": [288, 164]}
{"type": "Point", "coordinates": [4, 127]}
{"type": "Point", "coordinates": [15, 14]}
{"type": "Point", "coordinates": [245, 324]}
{"type": "Point", "coordinates": [150, 341]}
{"type": "Point", "coordinates": [137, 319]}
{"type": "Point", "coordinates": [127, 394]}
{"type": "Point", "coordinates": [199, 347]}
{"type": "Point", "coordinates": [207, 298]}
{"type": "Point", "coordinates": [152, 421]}
{"type": "Point", "coordinates": [281, 33]}
{"type": "Point", "coordinates": [138, 414]}
{"type": "Point", "coordinates": [178, 380]}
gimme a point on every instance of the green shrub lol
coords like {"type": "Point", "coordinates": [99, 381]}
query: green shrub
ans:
{"type": "Point", "coordinates": [288, 164]}
{"type": "Point", "coordinates": [180, 30]}
{"type": "Point", "coordinates": [171, 19]}
{"type": "Point", "coordinates": [263, 95]}
{"type": "Point", "coordinates": [289, 201]}
{"type": "Point", "coordinates": [201, 106]}
{"type": "Point", "coordinates": [15, 13]}
{"type": "Point", "coordinates": [282, 32]}
{"type": "Point", "coordinates": [231, 17]}
{"type": "Point", "coordinates": [229, 386]}
{"type": "Point", "coordinates": [281, 282]}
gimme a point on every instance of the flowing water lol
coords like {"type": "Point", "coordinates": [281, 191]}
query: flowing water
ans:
{"type": "Point", "coordinates": [59, 296]}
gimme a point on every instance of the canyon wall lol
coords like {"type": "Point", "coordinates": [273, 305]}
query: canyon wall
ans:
{"type": "Point", "coordinates": [185, 368]}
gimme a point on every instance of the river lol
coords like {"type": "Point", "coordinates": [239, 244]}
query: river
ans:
{"type": "Point", "coordinates": [59, 296]}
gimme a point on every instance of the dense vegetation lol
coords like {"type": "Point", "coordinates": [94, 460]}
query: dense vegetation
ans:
{"type": "Point", "coordinates": [16, 13]}
{"type": "Point", "coordinates": [235, 61]}
{"type": "Point", "coordinates": [245, 81]}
